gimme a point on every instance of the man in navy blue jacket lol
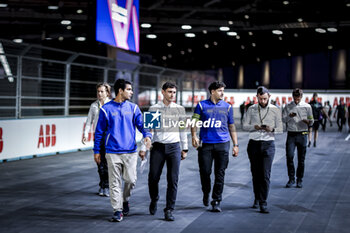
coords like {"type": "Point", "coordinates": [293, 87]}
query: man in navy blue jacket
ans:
{"type": "Point", "coordinates": [118, 120]}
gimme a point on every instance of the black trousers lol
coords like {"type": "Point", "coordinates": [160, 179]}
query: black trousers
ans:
{"type": "Point", "coordinates": [296, 140]}
{"type": "Point", "coordinates": [261, 154]}
{"type": "Point", "coordinates": [217, 152]}
{"type": "Point", "coordinates": [171, 154]}
{"type": "Point", "coordinates": [340, 123]}
{"type": "Point", "coordinates": [102, 168]}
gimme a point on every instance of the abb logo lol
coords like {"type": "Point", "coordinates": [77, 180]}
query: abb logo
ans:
{"type": "Point", "coordinates": [49, 139]}
{"type": "Point", "coordinates": [90, 135]}
{"type": "Point", "coordinates": [1, 141]}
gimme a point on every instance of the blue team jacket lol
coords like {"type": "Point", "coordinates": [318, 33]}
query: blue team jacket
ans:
{"type": "Point", "coordinates": [117, 121]}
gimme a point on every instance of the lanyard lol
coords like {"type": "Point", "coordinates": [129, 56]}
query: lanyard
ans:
{"type": "Point", "coordinates": [261, 119]}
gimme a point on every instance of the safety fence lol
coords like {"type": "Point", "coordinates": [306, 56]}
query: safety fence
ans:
{"type": "Point", "coordinates": [38, 81]}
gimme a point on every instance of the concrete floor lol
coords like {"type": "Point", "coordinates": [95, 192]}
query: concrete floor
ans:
{"type": "Point", "coordinates": [58, 194]}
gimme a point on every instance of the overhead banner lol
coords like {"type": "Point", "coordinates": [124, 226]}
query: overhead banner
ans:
{"type": "Point", "coordinates": [117, 23]}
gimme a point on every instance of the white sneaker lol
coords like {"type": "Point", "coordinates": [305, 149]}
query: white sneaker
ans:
{"type": "Point", "coordinates": [100, 192]}
{"type": "Point", "coordinates": [106, 192]}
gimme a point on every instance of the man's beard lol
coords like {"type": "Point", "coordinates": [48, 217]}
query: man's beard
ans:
{"type": "Point", "coordinates": [263, 105]}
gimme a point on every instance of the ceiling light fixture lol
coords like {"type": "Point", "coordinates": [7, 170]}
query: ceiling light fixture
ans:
{"type": "Point", "coordinates": [231, 33]}
{"type": "Point", "coordinates": [280, 38]}
{"type": "Point", "coordinates": [238, 37]}
{"type": "Point", "coordinates": [206, 46]}
{"type": "Point", "coordinates": [215, 43]}
{"type": "Point", "coordinates": [332, 29]}
{"type": "Point", "coordinates": [164, 58]}
{"type": "Point", "coordinates": [246, 16]}
{"type": "Point", "coordinates": [66, 22]}
{"type": "Point", "coordinates": [60, 38]}
{"type": "Point", "coordinates": [205, 31]}
{"type": "Point", "coordinates": [295, 35]}
{"type": "Point", "coordinates": [300, 20]}
{"type": "Point", "coordinates": [320, 30]}
{"type": "Point", "coordinates": [80, 38]}
{"type": "Point", "coordinates": [253, 44]}
{"type": "Point", "coordinates": [330, 47]}
{"type": "Point", "coordinates": [189, 50]}
{"type": "Point", "coordinates": [250, 33]}
{"type": "Point", "coordinates": [277, 32]}
{"type": "Point", "coordinates": [182, 52]}
{"type": "Point", "coordinates": [224, 29]}
{"type": "Point", "coordinates": [79, 11]}
{"type": "Point", "coordinates": [190, 35]}
{"type": "Point", "coordinates": [242, 47]}
{"type": "Point", "coordinates": [151, 36]}
{"type": "Point", "coordinates": [186, 27]}
{"type": "Point", "coordinates": [285, 2]}
{"type": "Point", "coordinates": [289, 54]}
{"type": "Point", "coordinates": [169, 44]}
{"type": "Point", "coordinates": [348, 4]}
{"type": "Point", "coordinates": [230, 22]}
{"type": "Point", "coordinates": [146, 25]}
{"type": "Point", "coordinates": [52, 7]}
{"type": "Point", "coordinates": [69, 27]}
{"type": "Point", "coordinates": [17, 41]}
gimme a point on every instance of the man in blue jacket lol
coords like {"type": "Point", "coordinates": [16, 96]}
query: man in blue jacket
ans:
{"type": "Point", "coordinates": [117, 121]}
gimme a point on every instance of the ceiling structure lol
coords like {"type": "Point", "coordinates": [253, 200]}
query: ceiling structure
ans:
{"type": "Point", "coordinates": [254, 30]}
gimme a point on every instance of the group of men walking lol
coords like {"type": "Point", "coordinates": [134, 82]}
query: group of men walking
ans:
{"type": "Point", "coordinates": [116, 129]}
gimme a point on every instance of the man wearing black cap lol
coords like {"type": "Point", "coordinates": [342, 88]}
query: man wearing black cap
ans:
{"type": "Point", "coordinates": [298, 117]}
{"type": "Point", "coordinates": [262, 120]}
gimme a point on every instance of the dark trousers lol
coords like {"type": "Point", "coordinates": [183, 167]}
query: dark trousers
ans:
{"type": "Point", "coordinates": [296, 140]}
{"type": "Point", "coordinates": [171, 154]}
{"type": "Point", "coordinates": [340, 123]}
{"type": "Point", "coordinates": [102, 168]}
{"type": "Point", "coordinates": [261, 154]}
{"type": "Point", "coordinates": [218, 153]}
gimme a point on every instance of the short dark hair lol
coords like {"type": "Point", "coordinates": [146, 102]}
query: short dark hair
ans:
{"type": "Point", "coordinates": [167, 85]}
{"type": "Point", "coordinates": [216, 85]}
{"type": "Point", "coordinates": [297, 92]}
{"type": "Point", "coordinates": [262, 90]}
{"type": "Point", "coordinates": [120, 84]}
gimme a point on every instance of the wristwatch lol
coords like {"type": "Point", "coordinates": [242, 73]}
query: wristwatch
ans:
{"type": "Point", "coordinates": [235, 145]}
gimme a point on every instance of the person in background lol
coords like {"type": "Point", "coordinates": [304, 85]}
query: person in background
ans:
{"type": "Point", "coordinates": [340, 114]}
{"type": "Point", "coordinates": [214, 142]}
{"type": "Point", "coordinates": [327, 109]}
{"type": "Point", "coordinates": [118, 120]}
{"type": "Point", "coordinates": [242, 111]}
{"type": "Point", "coordinates": [170, 146]}
{"type": "Point", "coordinates": [298, 117]}
{"type": "Point", "coordinates": [262, 120]}
{"type": "Point", "coordinates": [103, 96]}
{"type": "Point", "coordinates": [319, 114]}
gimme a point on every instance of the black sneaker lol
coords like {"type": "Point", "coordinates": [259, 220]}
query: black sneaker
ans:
{"type": "Point", "coordinates": [314, 144]}
{"type": "Point", "coordinates": [168, 215]}
{"type": "Point", "coordinates": [117, 216]}
{"type": "Point", "coordinates": [153, 207]}
{"type": "Point", "coordinates": [290, 183]}
{"type": "Point", "coordinates": [299, 183]}
{"type": "Point", "coordinates": [308, 145]}
{"type": "Point", "coordinates": [264, 210]}
{"type": "Point", "coordinates": [206, 199]}
{"type": "Point", "coordinates": [126, 208]}
{"type": "Point", "coordinates": [216, 206]}
{"type": "Point", "coordinates": [255, 204]}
